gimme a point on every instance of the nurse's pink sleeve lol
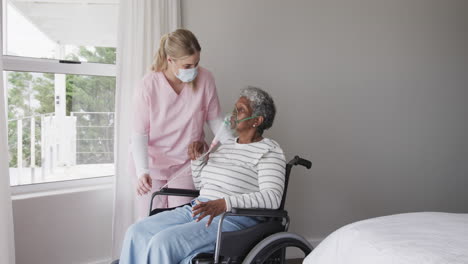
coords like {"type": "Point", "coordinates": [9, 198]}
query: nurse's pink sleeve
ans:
{"type": "Point", "coordinates": [213, 108]}
{"type": "Point", "coordinates": [141, 106]}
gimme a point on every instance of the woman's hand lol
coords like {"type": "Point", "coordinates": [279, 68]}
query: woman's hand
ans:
{"type": "Point", "coordinates": [144, 184]}
{"type": "Point", "coordinates": [211, 208]}
{"type": "Point", "coordinates": [195, 149]}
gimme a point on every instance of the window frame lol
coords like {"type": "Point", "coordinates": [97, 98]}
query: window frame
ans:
{"type": "Point", "coordinates": [28, 64]}
{"type": "Point", "coordinates": [25, 64]}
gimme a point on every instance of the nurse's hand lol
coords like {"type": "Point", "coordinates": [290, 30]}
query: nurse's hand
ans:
{"type": "Point", "coordinates": [212, 208]}
{"type": "Point", "coordinates": [195, 149]}
{"type": "Point", "coordinates": [144, 184]}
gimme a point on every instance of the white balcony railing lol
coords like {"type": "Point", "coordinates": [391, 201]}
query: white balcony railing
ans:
{"type": "Point", "coordinates": [71, 147]}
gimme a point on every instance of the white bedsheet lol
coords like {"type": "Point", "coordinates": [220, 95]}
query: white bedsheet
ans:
{"type": "Point", "coordinates": [411, 238]}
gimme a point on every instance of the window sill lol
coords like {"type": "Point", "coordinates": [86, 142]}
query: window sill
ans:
{"type": "Point", "coordinates": [22, 192]}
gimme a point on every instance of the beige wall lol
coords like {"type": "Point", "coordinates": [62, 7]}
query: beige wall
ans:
{"type": "Point", "coordinates": [64, 228]}
{"type": "Point", "coordinates": [374, 92]}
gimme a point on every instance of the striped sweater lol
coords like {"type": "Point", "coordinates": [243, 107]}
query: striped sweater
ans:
{"type": "Point", "coordinates": [245, 175]}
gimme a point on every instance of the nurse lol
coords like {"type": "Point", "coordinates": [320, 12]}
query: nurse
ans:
{"type": "Point", "coordinates": [172, 104]}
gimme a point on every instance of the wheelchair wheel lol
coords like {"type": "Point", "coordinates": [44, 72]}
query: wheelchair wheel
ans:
{"type": "Point", "coordinates": [274, 246]}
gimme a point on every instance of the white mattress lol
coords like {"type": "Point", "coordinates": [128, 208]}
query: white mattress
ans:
{"type": "Point", "coordinates": [411, 238]}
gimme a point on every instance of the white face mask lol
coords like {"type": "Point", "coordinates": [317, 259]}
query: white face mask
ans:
{"type": "Point", "coordinates": [187, 75]}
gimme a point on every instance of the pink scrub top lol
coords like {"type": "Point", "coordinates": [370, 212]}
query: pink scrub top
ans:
{"type": "Point", "coordinates": [172, 121]}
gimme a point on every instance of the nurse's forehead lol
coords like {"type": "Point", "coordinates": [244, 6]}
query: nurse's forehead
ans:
{"type": "Point", "coordinates": [193, 59]}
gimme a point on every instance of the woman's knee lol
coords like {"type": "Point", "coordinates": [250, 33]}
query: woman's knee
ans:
{"type": "Point", "coordinates": [167, 241]}
{"type": "Point", "coordinates": [135, 230]}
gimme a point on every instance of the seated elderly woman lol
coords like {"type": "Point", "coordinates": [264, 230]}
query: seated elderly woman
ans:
{"type": "Point", "coordinates": [245, 172]}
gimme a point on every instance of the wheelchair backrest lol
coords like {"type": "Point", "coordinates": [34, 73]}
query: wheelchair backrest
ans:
{"type": "Point", "coordinates": [295, 161]}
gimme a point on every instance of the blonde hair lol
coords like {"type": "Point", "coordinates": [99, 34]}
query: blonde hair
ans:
{"type": "Point", "coordinates": [177, 44]}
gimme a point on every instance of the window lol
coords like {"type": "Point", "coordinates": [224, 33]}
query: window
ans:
{"type": "Point", "coordinates": [59, 29]}
{"type": "Point", "coordinates": [59, 75]}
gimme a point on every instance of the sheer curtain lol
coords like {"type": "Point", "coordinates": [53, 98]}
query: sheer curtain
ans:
{"type": "Point", "coordinates": [7, 244]}
{"type": "Point", "coordinates": [141, 25]}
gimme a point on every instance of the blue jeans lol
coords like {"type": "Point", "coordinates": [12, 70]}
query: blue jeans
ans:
{"type": "Point", "coordinates": [174, 236]}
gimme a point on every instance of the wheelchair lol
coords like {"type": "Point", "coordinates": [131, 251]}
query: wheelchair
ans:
{"type": "Point", "coordinates": [265, 242]}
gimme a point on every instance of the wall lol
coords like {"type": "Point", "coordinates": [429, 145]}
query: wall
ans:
{"type": "Point", "coordinates": [64, 228]}
{"type": "Point", "coordinates": [373, 92]}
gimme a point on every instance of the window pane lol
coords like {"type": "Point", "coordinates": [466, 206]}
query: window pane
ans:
{"type": "Point", "coordinates": [60, 127]}
{"type": "Point", "coordinates": [61, 29]}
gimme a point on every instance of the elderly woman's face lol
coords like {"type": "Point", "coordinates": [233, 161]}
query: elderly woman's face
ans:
{"type": "Point", "coordinates": [243, 110]}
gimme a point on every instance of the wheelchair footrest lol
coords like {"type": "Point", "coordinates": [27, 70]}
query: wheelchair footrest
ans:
{"type": "Point", "coordinates": [208, 258]}
{"type": "Point", "coordinates": [203, 258]}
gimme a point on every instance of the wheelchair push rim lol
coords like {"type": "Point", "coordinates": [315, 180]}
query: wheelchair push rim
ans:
{"type": "Point", "coordinates": [273, 244]}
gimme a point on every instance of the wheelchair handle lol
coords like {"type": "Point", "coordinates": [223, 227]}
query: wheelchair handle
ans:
{"type": "Point", "coordinates": [300, 161]}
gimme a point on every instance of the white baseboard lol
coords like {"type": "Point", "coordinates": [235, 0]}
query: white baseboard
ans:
{"type": "Point", "coordinates": [315, 241]}
{"type": "Point", "coordinates": [293, 253]}
{"type": "Point", "coordinates": [290, 254]}
{"type": "Point", "coordinates": [101, 261]}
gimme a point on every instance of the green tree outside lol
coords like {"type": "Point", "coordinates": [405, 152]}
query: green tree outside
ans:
{"type": "Point", "coordinates": [33, 94]}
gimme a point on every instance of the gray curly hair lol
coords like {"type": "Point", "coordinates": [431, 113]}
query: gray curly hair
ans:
{"type": "Point", "coordinates": [262, 105]}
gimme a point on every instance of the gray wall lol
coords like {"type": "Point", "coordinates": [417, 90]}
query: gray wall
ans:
{"type": "Point", "coordinates": [64, 228]}
{"type": "Point", "coordinates": [374, 92]}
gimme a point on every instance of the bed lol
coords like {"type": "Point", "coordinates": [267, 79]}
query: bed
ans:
{"type": "Point", "coordinates": [425, 237]}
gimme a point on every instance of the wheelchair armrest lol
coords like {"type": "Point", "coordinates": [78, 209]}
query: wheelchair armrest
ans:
{"type": "Point", "coordinates": [173, 192]}
{"type": "Point", "coordinates": [177, 192]}
{"type": "Point", "coordinates": [259, 212]}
